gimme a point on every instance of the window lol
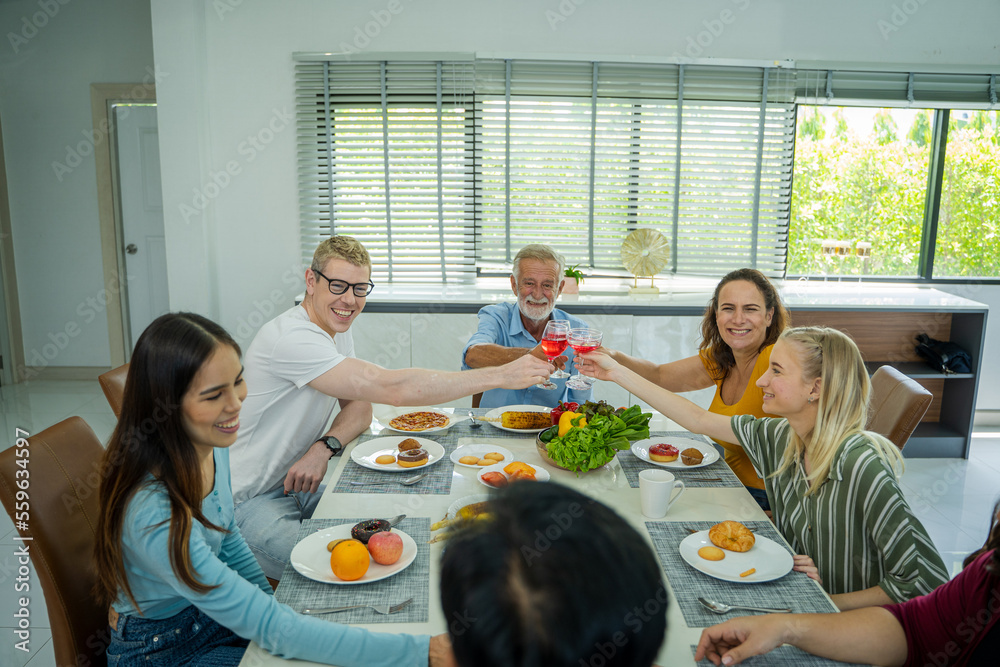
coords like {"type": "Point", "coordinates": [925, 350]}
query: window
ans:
{"type": "Point", "coordinates": [445, 169]}
{"type": "Point", "coordinates": [896, 175]}
{"type": "Point", "coordinates": [968, 223]}
{"type": "Point", "coordinates": [860, 184]}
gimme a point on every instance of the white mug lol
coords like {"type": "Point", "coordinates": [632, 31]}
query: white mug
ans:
{"type": "Point", "coordinates": [655, 489]}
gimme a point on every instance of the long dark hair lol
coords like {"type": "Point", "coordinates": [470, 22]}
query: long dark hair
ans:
{"type": "Point", "coordinates": [150, 440]}
{"type": "Point", "coordinates": [711, 340]}
{"type": "Point", "coordinates": [992, 544]}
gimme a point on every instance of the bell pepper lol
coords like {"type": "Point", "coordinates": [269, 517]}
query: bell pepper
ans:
{"type": "Point", "coordinates": [566, 422]}
{"type": "Point", "coordinates": [568, 406]}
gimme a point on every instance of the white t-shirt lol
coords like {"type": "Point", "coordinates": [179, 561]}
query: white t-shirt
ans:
{"type": "Point", "coordinates": [282, 415]}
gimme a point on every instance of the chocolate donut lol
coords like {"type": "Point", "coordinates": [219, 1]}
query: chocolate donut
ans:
{"type": "Point", "coordinates": [412, 458]}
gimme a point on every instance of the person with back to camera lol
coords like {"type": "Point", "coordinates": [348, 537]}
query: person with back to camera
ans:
{"type": "Point", "coordinates": [551, 578]}
{"type": "Point", "coordinates": [833, 486]}
{"type": "Point", "coordinates": [740, 326]}
{"type": "Point", "coordinates": [183, 586]}
{"type": "Point", "coordinates": [956, 625]}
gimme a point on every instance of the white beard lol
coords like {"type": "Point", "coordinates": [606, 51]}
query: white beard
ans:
{"type": "Point", "coordinates": [535, 312]}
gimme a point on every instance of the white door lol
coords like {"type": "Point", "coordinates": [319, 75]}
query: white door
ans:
{"type": "Point", "coordinates": [142, 217]}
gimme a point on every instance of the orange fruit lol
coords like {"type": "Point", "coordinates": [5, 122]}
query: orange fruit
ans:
{"type": "Point", "coordinates": [349, 560]}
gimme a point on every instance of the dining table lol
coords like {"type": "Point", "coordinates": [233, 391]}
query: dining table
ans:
{"type": "Point", "coordinates": [712, 494]}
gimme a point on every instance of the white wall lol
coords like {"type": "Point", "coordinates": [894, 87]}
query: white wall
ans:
{"type": "Point", "coordinates": [50, 54]}
{"type": "Point", "coordinates": [227, 79]}
{"type": "Point", "coordinates": [231, 79]}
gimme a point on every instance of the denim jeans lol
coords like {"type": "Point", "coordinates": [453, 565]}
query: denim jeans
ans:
{"type": "Point", "coordinates": [270, 522]}
{"type": "Point", "coordinates": [189, 638]}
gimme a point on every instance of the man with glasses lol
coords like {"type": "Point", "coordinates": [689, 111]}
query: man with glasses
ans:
{"type": "Point", "coordinates": [298, 368]}
{"type": "Point", "coordinates": [508, 331]}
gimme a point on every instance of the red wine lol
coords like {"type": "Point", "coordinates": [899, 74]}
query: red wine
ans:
{"type": "Point", "coordinates": [583, 349]}
{"type": "Point", "coordinates": [553, 348]}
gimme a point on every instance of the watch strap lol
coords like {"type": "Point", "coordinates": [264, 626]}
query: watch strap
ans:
{"type": "Point", "coordinates": [333, 444]}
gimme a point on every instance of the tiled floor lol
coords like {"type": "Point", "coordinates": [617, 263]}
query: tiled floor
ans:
{"type": "Point", "coordinates": [952, 497]}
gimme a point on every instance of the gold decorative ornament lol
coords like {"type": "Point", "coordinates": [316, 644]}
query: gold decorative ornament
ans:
{"type": "Point", "coordinates": [645, 252]}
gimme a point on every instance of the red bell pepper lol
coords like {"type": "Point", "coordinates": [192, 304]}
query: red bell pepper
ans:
{"type": "Point", "coordinates": [569, 406]}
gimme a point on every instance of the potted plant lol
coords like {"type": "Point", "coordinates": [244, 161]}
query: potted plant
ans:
{"type": "Point", "coordinates": [573, 280]}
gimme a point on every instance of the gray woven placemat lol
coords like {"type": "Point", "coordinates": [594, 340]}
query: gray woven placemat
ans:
{"type": "Point", "coordinates": [300, 592]}
{"type": "Point", "coordinates": [439, 475]}
{"type": "Point", "coordinates": [794, 590]}
{"type": "Point", "coordinates": [783, 656]}
{"type": "Point", "coordinates": [717, 474]}
{"type": "Point", "coordinates": [436, 482]}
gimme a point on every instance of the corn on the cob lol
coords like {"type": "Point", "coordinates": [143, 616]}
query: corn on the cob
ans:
{"type": "Point", "coordinates": [525, 420]}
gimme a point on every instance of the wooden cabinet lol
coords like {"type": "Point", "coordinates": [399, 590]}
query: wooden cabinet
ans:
{"type": "Point", "coordinates": [887, 337]}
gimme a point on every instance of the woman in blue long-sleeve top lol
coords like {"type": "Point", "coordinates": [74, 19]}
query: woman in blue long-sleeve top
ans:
{"type": "Point", "coordinates": [183, 586]}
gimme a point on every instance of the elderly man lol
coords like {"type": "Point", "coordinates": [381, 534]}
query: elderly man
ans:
{"type": "Point", "coordinates": [509, 331]}
{"type": "Point", "coordinates": [299, 366]}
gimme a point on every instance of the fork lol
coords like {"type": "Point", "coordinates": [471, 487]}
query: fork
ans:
{"type": "Point", "coordinates": [379, 608]}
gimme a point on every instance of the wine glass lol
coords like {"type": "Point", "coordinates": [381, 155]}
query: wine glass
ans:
{"type": "Point", "coordinates": [583, 341]}
{"type": "Point", "coordinates": [553, 344]}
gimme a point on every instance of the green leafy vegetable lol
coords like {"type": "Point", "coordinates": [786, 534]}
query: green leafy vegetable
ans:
{"type": "Point", "coordinates": [596, 444]}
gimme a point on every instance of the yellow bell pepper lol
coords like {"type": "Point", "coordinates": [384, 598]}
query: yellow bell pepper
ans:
{"type": "Point", "coordinates": [566, 419]}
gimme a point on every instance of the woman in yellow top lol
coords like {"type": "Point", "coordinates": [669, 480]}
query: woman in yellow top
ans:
{"type": "Point", "coordinates": [741, 324]}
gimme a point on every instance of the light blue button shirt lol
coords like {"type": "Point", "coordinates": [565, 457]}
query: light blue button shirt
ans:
{"type": "Point", "coordinates": [501, 324]}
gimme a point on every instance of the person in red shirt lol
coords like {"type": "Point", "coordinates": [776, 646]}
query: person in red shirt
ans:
{"type": "Point", "coordinates": [955, 625]}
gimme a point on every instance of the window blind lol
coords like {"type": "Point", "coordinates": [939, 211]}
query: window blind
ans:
{"type": "Point", "coordinates": [897, 89]}
{"type": "Point", "coordinates": [384, 155]}
{"type": "Point", "coordinates": [446, 169]}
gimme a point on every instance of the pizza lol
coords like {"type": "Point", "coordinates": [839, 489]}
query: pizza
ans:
{"type": "Point", "coordinates": [419, 421]}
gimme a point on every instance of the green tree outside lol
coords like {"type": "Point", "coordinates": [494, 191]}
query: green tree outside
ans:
{"type": "Point", "coordinates": [871, 190]}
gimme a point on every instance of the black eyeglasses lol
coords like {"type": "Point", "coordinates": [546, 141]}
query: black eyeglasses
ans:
{"type": "Point", "coordinates": [360, 290]}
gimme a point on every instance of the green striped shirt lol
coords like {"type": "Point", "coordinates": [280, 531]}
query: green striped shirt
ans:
{"type": "Point", "coordinates": [857, 528]}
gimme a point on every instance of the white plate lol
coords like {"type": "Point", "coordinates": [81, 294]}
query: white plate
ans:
{"type": "Point", "coordinates": [772, 560]}
{"type": "Point", "coordinates": [641, 449]}
{"type": "Point", "coordinates": [311, 559]}
{"type": "Point", "coordinates": [541, 474]}
{"type": "Point", "coordinates": [387, 414]}
{"type": "Point", "coordinates": [495, 413]}
{"type": "Point", "coordinates": [366, 453]}
{"type": "Point", "coordinates": [467, 500]}
{"type": "Point", "coordinates": [479, 450]}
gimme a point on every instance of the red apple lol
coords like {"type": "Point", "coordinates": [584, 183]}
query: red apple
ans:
{"type": "Point", "coordinates": [385, 547]}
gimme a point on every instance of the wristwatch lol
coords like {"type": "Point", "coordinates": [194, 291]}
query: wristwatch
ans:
{"type": "Point", "coordinates": [332, 444]}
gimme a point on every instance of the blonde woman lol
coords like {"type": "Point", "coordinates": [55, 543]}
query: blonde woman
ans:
{"type": "Point", "coordinates": [832, 485]}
